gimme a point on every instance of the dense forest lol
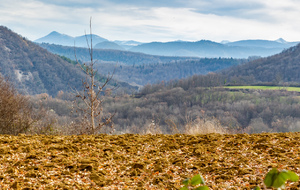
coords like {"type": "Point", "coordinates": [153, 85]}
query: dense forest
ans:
{"type": "Point", "coordinates": [187, 101]}
{"type": "Point", "coordinates": [153, 70]}
{"type": "Point", "coordinates": [158, 72]}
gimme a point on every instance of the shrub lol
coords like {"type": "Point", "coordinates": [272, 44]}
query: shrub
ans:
{"type": "Point", "coordinates": [15, 111]}
{"type": "Point", "coordinates": [204, 126]}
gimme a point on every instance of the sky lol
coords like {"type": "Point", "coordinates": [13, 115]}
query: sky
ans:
{"type": "Point", "coordinates": [155, 20]}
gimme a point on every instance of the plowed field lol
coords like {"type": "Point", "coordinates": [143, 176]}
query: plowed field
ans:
{"type": "Point", "coordinates": [144, 161]}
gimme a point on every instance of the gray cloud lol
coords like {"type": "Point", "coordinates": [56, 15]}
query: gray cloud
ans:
{"type": "Point", "coordinates": [233, 8]}
{"type": "Point", "coordinates": [147, 20]}
{"type": "Point", "coordinates": [251, 9]}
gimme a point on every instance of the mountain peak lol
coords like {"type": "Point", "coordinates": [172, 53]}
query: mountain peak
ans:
{"type": "Point", "coordinates": [62, 39]}
{"type": "Point", "coordinates": [56, 38]}
{"type": "Point", "coordinates": [281, 40]}
{"type": "Point", "coordinates": [54, 33]}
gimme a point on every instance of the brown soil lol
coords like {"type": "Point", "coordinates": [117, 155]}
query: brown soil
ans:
{"type": "Point", "coordinates": [144, 161]}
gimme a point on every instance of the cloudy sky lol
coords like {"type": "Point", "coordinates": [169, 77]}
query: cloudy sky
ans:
{"type": "Point", "coordinates": [156, 20]}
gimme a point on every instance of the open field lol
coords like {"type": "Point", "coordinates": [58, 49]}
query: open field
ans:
{"type": "Point", "coordinates": [144, 161]}
{"type": "Point", "coordinates": [295, 89]}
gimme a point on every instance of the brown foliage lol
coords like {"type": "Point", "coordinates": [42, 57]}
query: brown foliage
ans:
{"type": "Point", "coordinates": [15, 112]}
{"type": "Point", "coordinates": [145, 161]}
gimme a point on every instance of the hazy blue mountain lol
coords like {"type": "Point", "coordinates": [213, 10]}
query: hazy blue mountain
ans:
{"type": "Point", "coordinates": [280, 43]}
{"type": "Point", "coordinates": [108, 45]}
{"type": "Point", "coordinates": [56, 38]}
{"type": "Point", "coordinates": [128, 44]}
{"type": "Point", "coordinates": [82, 42]}
{"type": "Point", "coordinates": [225, 41]}
{"type": "Point", "coordinates": [204, 48]}
{"type": "Point", "coordinates": [65, 40]}
{"type": "Point", "coordinates": [281, 40]}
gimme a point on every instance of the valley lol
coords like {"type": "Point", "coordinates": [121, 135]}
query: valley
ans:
{"type": "Point", "coordinates": [159, 94]}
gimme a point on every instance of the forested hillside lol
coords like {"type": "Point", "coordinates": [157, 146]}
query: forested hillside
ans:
{"type": "Point", "coordinates": [276, 69]}
{"type": "Point", "coordinates": [196, 105]}
{"type": "Point", "coordinates": [200, 100]}
{"type": "Point", "coordinates": [158, 72]}
{"type": "Point", "coordinates": [140, 69]}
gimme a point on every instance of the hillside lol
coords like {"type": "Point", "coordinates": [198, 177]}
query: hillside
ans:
{"type": "Point", "coordinates": [158, 72]}
{"type": "Point", "coordinates": [205, 48]}
{"type": "Point", "coordinates": [140, 69]}
{"type": "Point", "coordinates": [279, 68]}
{"type": "Point", "coordinates": [34, 70]}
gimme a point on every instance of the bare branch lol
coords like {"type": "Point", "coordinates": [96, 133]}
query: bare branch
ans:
{"type": "Point", "coordinates": [90, 95]}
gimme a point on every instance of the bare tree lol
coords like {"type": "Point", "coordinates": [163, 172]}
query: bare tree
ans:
{"type": "Point", "coordinates": [92, 93]}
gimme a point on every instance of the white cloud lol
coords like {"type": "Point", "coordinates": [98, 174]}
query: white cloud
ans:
{"type": "Point", "coordinates": [148, 20]}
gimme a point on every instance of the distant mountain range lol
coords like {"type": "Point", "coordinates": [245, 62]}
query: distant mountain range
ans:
{"type": "Point", "coordinates": [203, 48]}
{"type": "Point", "coordinates": [280, 43]}
{"type": "Point", "coordinates": [63, 39]}
{"type": "Point", "coordinates": [80, 41]}
{"type": "Point", "coordinates": [209, 49]}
